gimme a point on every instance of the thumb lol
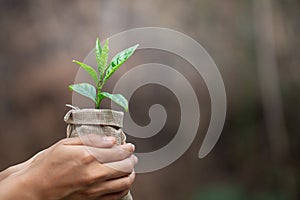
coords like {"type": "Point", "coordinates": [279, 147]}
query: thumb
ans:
{"type": "Point", "coordinates": [92, 140]}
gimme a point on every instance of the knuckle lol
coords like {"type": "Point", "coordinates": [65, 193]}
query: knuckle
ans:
{"type": "Point", "coordinates": [90, 177]}
{"type": "Point", "coordinates": [124, 154]}
{"type": "Point", "coordinates": [100, 175]}
{"type": "Point", "coordinates": [126, 183]}
{"type": "Point", "coordinates": [131, 163]}
{"type": "Point", "coordinates": [85, 157]}
{"type": "Point", "coordinates": [128, 167]}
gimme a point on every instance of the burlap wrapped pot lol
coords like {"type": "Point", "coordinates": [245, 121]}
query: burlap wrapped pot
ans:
{"type": "Point", "coordinates": [102, 122]}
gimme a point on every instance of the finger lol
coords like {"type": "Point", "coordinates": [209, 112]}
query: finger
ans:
{"type": "Point", "coordinates": [111, 186]}
{"type": "Point", "coordinates": [116, 153]}
{"type": "Point", "coordinates": [120, 184]}
{"type": "Point", "coordinates": [116, 196]}
{"type": "Point", "coordinates": [94, 140]}
{"type": "Point", "coordinates": [71, 141]}
{"type": "Point", "coordinates": [91, 140]}
{"type": "Point", "coordinates": [126, 165]}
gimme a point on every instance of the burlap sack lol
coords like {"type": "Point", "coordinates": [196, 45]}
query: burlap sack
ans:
{"type": "Point", "coordinates": [103, 122]}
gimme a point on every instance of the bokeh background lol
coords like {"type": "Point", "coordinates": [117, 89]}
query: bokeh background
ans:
{"type": "Point", "coordinates": [254, 44]}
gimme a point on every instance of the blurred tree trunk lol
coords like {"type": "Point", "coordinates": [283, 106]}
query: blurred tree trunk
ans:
{"type": "Point", "coordinates": [269, 80]}
{"type": "Point", "coordinates": [271, 97]}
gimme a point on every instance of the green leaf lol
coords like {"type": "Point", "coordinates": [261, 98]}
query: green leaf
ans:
{"type": "Point", "coordinates": [84, 89]}
{"type": "Point", "coordinates": [90, 70]}
{"type": "Point", "coordinates": [98, 50]}
{"type": "Point", "coordinates": [118, 60]}
{"type": "Point", "coordinates": [117, 98]}
{"type": "Point", "coordinates": [102, 60]}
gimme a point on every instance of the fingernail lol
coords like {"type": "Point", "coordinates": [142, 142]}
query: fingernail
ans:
{"type": "Point", "coordinates": [136, 160]}
{"type": "Point", "coordinates": [128, 147]}
{"type": "Point", "coordinates": [109, 139]}
{"type": "Point", "coordinates": [133, 147]}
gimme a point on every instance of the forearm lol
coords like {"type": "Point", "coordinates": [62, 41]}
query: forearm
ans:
{"type": "Point", "coordinates": [14, 187]}
{"type": "Point", "coordinates": [13, 169]}
{"type": "Point", "coordinates": [4, 174]}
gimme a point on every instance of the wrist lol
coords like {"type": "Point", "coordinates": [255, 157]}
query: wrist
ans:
{"type": "Point", "coordinates": [10, 170]}
{"type": "Point", "coordinates": [16, 187]}
{"type": "Point", "coordinates": [5, 173]}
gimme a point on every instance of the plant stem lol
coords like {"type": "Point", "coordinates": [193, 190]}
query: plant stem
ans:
{"type": "Point", "coordinates": [98, 100]}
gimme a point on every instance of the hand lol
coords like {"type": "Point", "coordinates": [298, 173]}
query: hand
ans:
{"type": "Point", "coordinates": [67, 171]}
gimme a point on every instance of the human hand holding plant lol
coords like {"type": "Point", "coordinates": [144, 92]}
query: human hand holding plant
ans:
{"type": "Point", "coordinates": [103, 73]}
{"type": "Point", "coordinates": [67, 171]}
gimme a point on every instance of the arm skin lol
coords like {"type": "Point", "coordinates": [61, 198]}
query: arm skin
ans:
{"type": "Point", "coordinates": [67, 171]}
{"type": "Point", "coordinates": [4, 174]}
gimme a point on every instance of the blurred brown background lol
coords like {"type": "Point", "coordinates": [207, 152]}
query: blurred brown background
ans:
{"type": "Point", "coordinates": [254, 44]}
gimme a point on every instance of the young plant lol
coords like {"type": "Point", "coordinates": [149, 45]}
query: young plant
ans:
{"type": "Point", "coordinates": [103, 73]}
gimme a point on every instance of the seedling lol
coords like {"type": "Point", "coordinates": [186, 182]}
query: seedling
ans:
{"type": "Point", "coordinates": [103, 73]}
